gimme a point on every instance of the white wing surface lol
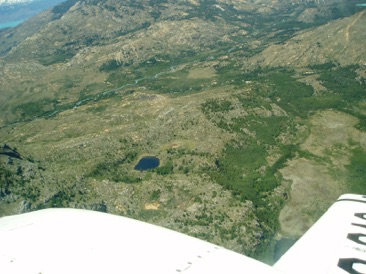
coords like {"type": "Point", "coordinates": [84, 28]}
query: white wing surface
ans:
{"type": "Point", "coordinates": [70, 241]}
{"type": "Point", "coordinates": [336, 244]}
{"type": "Point", "coordinates": [81, 241]}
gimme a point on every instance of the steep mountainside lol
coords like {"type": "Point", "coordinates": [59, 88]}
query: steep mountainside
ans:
{"type": "Point", "coordinates": [339, 42]}
{"type": "Point", "coordinates": [255, 110]}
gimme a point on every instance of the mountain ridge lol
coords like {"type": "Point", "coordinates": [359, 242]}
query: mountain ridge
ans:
{"type": "Point", "coordinates": [340, 45]}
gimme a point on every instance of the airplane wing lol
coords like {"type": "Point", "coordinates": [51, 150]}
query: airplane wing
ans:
{"type": "Point", "coordinates": [335, 244]}
{"type": "Point", "coordinates": [68, 241]}
{"type": "Point", "coordinates": [81, 241]}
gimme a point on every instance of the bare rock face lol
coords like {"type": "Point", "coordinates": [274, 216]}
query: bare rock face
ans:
{"type": "Point", "coordinates": [24, 207]}
{"type": "Point", "coordinates": [309, 15]}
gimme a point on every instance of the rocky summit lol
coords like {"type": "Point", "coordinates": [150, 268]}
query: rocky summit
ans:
{"type": "Point", "coordinates": [254, 111]}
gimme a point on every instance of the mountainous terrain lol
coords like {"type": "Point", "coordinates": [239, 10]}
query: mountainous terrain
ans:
{"type": "Point", "coordinates": [255, 109]}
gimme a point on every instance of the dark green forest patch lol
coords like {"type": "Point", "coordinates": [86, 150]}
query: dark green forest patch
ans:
{"type": "Point", "coordinates": [356, 181]}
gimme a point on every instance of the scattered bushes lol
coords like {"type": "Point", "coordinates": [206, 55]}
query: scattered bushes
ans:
{"type": "Point", "coordinates": [213, 105]}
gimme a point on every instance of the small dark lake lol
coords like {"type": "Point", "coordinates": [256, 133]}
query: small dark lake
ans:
{"type": "Point", "coordinates": [148, 162]}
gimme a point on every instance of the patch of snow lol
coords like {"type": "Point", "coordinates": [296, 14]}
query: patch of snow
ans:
{"type": "Point", "coordinates": [13, 2]}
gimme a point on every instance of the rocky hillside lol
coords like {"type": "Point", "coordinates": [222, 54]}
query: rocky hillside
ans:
{"type": "Point", "coordinates": [339, 42]}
